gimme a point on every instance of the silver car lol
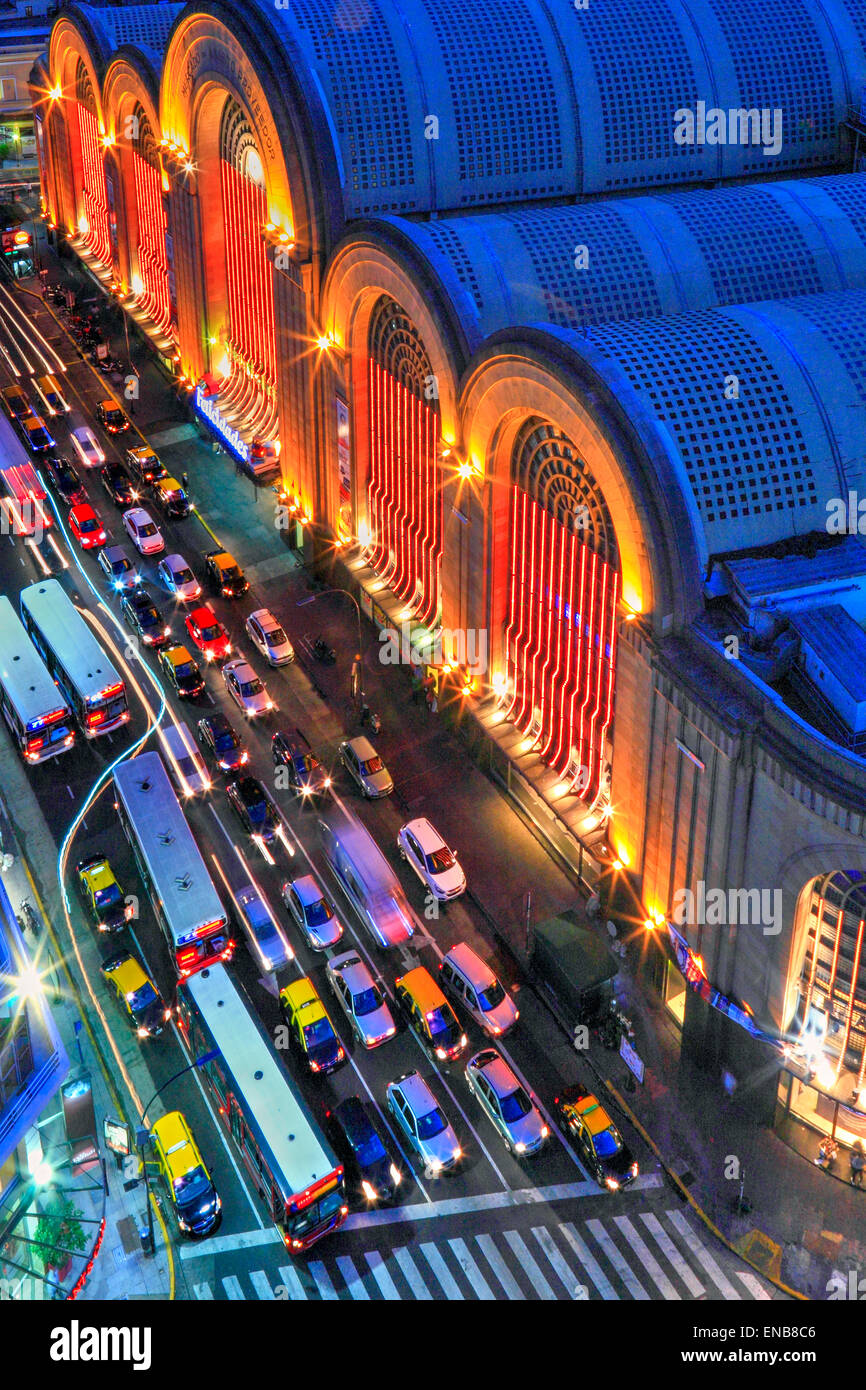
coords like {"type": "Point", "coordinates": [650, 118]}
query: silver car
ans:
{"type": "Point", "coordinates": [364, 765]}
{"type": "Point", "coordinates": [176, 576]}
{"type": "Point", "coordinates": [271, 640]}
{"type": "Point", "coordinates": [312, 912]}
{"type": "Point", "coordinates": [246, 689]}
{"type": "Point", "coordinates": [420, 1119]}
{"type": "Point", "coordinates": [361, 999]}
{"type": "Point", "coordinates": [501, 1096]}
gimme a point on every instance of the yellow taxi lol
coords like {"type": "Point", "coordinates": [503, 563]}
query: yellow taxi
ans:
{"type": "Point", "coordinates": [137, 993]}
{"type": "Point", "coordinates": [36, 434]}
{"type": "Point", "coordinates": [102, 893]}
{"type": "Point", "coordinates": [225, 574]}
{"type": "Point", "coordinates": [171, 496]}
{"type": "Point", "coordinates": [144, 464]}
{"type": "Point", "coordinates": [111, 417]}
{"type": "Point", "coordinates": [429, 1015]}
{"type": "Point", "coordinates": [595, 1138]}
{"type": "Point", "coordinates": [182, 671]}
{"type": "Point", "coordinates": [311, 1032]}
{"type": "Point", "coordinates": [16, 402]}
{"type": "Point", "coordinates": [193, 1197]}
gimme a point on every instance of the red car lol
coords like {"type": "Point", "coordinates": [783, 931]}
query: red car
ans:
{"type": "Point", "coordinates": [86, 526]}
{"type": "Point", "coordinates": [208, 634]}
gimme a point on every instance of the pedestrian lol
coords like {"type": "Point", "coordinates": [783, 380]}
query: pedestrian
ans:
{"type": "Point", "coordinates": [184, 478]}
{"type": "Point", "coordinates": [858, 1163]}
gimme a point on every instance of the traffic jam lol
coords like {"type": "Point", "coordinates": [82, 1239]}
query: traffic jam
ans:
{"type": "Point", "coordinates": [363, 967]}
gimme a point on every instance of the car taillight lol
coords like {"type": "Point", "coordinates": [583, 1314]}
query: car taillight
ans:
{"type": "Point", "coordinates": [314, 1066]}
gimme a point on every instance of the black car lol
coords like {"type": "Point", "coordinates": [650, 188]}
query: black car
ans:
{"type": "Point", "coordinates": [305, 772]}
{"type": "Point", "coordinates": [64, 479]}
{"type": "Point", "coordinates": [216, 734]}
{"type": "Point", "coordinates": [595, 1138]}
{"type": "Point", "coordinates": [359, 1142]}
{"type": "Point", "coordinates": [118, 485]}
{"type": "Point", "coordinates": [254, 808]}
{"type": "Point", "coordinates": [142, 615]}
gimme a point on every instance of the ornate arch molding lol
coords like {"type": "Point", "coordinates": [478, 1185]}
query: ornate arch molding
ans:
{"type": "Point", "coordinates": [72, 42]}
{"type": "Point", "coordinates": [127, 86]}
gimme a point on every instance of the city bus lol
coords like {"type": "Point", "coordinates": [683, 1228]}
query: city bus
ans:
{"type": "Point", "coordinates": [186, 903]}
{"type": "Point", "coordinates": [37, 714]}
{"type": "Point", "coordinates": [291, 1164]}
{"type": "Point", "coordinates": [75, 660]}
{"type": "Point", "coordinates": [25, 507]}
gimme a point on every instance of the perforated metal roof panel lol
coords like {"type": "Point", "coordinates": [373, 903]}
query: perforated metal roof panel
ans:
{"type": "Point", "coordinates": [145, 26]}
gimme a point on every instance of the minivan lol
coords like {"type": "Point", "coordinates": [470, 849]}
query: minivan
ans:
{"type": "Point", "coordinates": [467, 978]}
{"type": "Point", "coordinates": [366, 878]}
{"type": "Point", "coordinates": [193, 1197]}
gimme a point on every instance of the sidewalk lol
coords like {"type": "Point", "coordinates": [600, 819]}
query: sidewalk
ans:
{"type": "Point", "coordinates": [821, 1226]}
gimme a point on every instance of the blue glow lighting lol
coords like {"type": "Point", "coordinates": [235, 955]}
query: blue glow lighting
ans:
{"type": "Point", "coordinates": [210, 412]}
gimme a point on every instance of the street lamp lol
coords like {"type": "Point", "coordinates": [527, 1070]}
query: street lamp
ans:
{"type": "Point", "coordinates": [358, 663]}
{"type": "Point", "coordinates": [143, 1133]}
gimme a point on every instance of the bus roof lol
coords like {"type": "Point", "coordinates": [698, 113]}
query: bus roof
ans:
{"type": "Point", "coordinates": [70, 637]}
{"type": "Point", "coordinates": [282, 1121]}
{"type": "Point", "coordinates": [23, 675]}
{"type": "Point", "coordinates": [174, 861]}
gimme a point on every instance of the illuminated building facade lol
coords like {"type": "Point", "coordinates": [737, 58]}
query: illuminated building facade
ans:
{"type": "Point", "coordinates": [396, 242]}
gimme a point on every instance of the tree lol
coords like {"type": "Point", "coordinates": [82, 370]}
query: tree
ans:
{"type": "Point", "coordinates": [59, 1231]}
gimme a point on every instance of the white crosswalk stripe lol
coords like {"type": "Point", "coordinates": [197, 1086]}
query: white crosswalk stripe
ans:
{"type": "Point", "coordinates": [666, 1245]}
{"type": "Point", "coordinates": [410, 1274]}
{"type": "Point", "coordinates": [292, 1281]}
{"type": "Point", "coordinates": [499, 1267]}
{"type": "Point", "coordinates": [441, 1270]}
{"type": "Point", "coordinates": [702, 1255]}
{"type": "Point", "coordinates": [470, 1269]}
{"type": "Point", "coordinates": [355, 1284]}
{"type": "Point", "coordinates": [647, 1258]}
{"type": "Point", "coordinates": [536, 1278]}
{"type": "Point", "coordinates": [547, 1262]}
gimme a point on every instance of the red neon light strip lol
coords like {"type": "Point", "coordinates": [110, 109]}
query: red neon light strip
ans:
{"type": "Point", "coordinates": [94, 196]}
{"type": "Point", "coordinates": [252, 327]}
{"type": "Point", "coordinates": [152, 257]}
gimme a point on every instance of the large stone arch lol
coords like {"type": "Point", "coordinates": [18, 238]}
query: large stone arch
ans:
{"type": "Point", "coordinates": [68, 46]}
{"type": "Point", "coordinates": [126, 89]}
{"type": "Point", "coordinates": [795, 877]}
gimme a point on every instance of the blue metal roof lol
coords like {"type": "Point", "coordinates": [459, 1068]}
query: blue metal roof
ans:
{"type": "Point", "coordinates": [146, 27]}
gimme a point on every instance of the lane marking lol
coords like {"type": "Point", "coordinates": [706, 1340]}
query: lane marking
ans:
{"type": "Point", "coordinates": [220, 1245]}
{"type": "Point", "coordinates": [470, 1269]}
{"type": "Point", "coordinates": [410, 1274]}
{"type": "Point", "coordinates": [292, 1281]}
{"type": "Point", "coordinates": [675, 1259]}
{"type": "Point", "coordinates": [322, 1280]}
{"type": "Point", "coordinates": [203, 1291]}
{"type": "Point", "coordinates": [440, 1269]}
{"type": "Point", "coordinates": [529, 1265]}
{"type": "Point", "coordinates": [756, 1289]}
{"type": "Point", "coordinates": [647, 1259]}
{"type": "Point", "coordinates": [499, 1267]}
{"type": "Point", "coordinates": [457, 1206]}
{"type": "Point", "coordinates": [589, 1262]}
{"type": "Point", "coordinates": [382, 1277]}
{"type": "Point", "coordinates": [262, 1284]}
{"type": "Point", "coordinates": [354, 1283]}
{"type": "Point", "coordinates": [702, 1255]}
{"type": "Point", "coordinates": [563, 1270]}
{"type": "Point", "coordinates": [620, 1264]}
{"type": "Point", "coordinates": [232, 1286]}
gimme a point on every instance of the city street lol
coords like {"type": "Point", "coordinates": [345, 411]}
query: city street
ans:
{"type": "Point", "coordinates": [495, 1229]}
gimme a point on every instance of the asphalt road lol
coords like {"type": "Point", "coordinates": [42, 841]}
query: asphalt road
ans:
{"type": "Point", "coordinates": [494, 1229]}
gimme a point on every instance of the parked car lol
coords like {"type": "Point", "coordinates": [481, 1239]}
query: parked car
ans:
{"type": "Point", "coordinates": [313, 913]}
{"type": "Point", "coordinates": [118, 484]}
{"type": "Point", "coordinates": [595, 1138]}
{"type": "Point", "coordinates": [138, 995]}
{"type": "Point", "coordinates": [266, 634]}
{"type": "Point", "coordinates": [87, 447]}
{"type": "Point", "coordinates": [360, 998]}
{"type": "Point", "coordinates": [511, 1110]}
{"type": "Point", "coordinates": [181, 671]}
{"type": "Point", "coordinates": [86, 526]}
{"type": "Point", "coordinates": [117, 567]}
{"type": "Point", "coordinates": [365, 767]}
{"type": "Point", "coordinates": [305, 772]}
{"type": "Point", "coordinates": [254, 808]}
{"type": "Point", "coordinates": [311, 1032]}
{"type": "Point", "coordinates": [219, 738]}
{"type": "Point", "coordinates": [102, 893]}
{"type": "Point", "coordinates": [143, 531]}
{"type": "Point", "coordinates": [245, 688]}
{"type": "Point", "coordinates": [208, 634]}
{"type": "Point", "coordinates": [177, 577]}
{"type": "Point", "coordinates": [420, 1119]}
{"type": "Point", "coordinates": [64, 479]}
{"type": "Point", "coordinates": [225, 574]}
{"type": "Point", "coordinates": [140, 613]}
{"type": "Point", "coordinates": [371, 1173]}
{"type": "Point", "coordinates": [111, 417]}
{"type": "Point", "coordinates": [435, 864]}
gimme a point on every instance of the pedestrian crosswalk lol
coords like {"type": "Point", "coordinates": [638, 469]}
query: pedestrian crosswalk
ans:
{"type": "Point", "coordinates": [646, 1256]}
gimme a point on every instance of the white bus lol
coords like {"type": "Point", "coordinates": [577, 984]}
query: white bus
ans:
{"type": "Point", "coordinates": [34, 709]}
{"type": "Point", "coordinates": [65, 641]}
{"type": "Point", "coordinates": [288, 1157]}
{"type": "Point", "coordinates": [25, 507]}
{"type": "Point", "coordinates": [187, 905]}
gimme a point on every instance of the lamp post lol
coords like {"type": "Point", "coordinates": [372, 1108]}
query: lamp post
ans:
{"type": "Point", "coordinates": [142, 1135]}
{"type": "Point", "coordinates": [358, 664]}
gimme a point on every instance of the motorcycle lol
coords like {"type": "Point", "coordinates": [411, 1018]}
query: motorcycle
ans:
{"type": "Point", "coordinates": [322, 652]}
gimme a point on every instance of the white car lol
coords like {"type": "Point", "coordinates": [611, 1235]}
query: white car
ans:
{"type": "Point", "coordinates": [434, 863]}
{"type": "Point", "coordinates": [265, 632]}
{"type": "Point", "coordinates": [143, 531]}
{"type": "Point", "coordinates": [246, 689]}
{"type": "Point", "coordinates": [361, 999]}
{"type": "Point", "coordinates": [186, 766]}
{"type": "Point", "coordinates": [313, 913]}
{"type": "Point", "coordinates": [176, 576]}
{"type": "Point", "coordinates": [86, 446]}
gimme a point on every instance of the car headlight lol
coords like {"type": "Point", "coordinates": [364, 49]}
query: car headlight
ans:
{"type": "Point", "coordinates": [142, 1032]}
{"type": "Point", "coordinates": [520, 1147]}
{"type": "Point", "coordinates": [463, 1040]}
{"type": "Point", "coordinates": [435, 1165]}
{"type": "Point", "coordinates": [458, 1152]}
{"type": "Point", "coordinates": [633, 1170]}
{"type": "Point", "coordinates": [369, 1191]}
{"type": "Point", "coordinates": [544, 1131]}
{"type": "Point", "coordinates": [184, 1225]}
{"type": "Point", "coordinates": [440, 1052]}
{"type": "Point", "coordinates": [396, 1175]}
{"type": "Point", "coordinates": [611, 1184]}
